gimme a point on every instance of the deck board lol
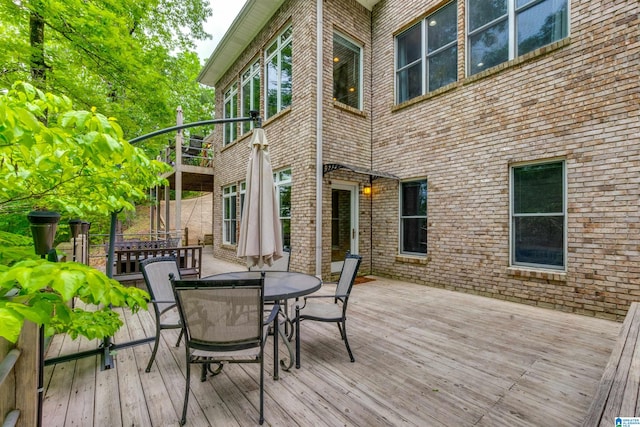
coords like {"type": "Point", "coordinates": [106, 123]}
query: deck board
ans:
{"type": "Point", "coordinates": [424, 356]}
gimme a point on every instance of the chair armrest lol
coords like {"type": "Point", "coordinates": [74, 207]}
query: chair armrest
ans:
{"type": "Point", "coordinates": [273, 314]}
{"type": "Point", "coordinates": [155, 301]}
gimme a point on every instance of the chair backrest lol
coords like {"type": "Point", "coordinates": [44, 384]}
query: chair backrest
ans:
{"type": "Point", "coordinates": [348, 275]}
{"type": "Point", "coordinates": [281, 264]}
{"type": "Point", "coordinates": [221, 314]}
{"type": "Point", "coordinates": [156, 272]}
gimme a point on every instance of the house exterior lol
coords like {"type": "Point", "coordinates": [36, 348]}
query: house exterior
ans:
{"type": "Point", "coordinates": [490, 147]}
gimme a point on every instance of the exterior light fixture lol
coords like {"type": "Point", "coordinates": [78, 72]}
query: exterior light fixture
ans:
{"type": "Point", "coordinates": [366, 190]}
{"type": "Point", "coordinates": [432, 23]}
{"type": "Point", "coordinates": [336, 59]}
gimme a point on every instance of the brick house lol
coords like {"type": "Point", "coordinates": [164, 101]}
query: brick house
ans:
{"type": "Point", "coordinates": [484, 147]}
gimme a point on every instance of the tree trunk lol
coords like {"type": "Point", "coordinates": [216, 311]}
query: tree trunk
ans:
{"type": "Point", "coordinates": [36, 39]}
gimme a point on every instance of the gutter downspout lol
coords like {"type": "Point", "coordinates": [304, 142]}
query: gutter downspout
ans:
{"type": "Point", "coordinates": [319, 42]}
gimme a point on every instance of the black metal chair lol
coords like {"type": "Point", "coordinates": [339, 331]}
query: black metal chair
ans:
{"type": "Point", "coordinates": [223, 322]}
{"type": "Point", "coordinates": [156, 272]}
{"type": "Point", "coordinates": [336, 311]}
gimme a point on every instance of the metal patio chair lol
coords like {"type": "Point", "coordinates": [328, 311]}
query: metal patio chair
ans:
{"type": "Point", "coordinates": [335, 311]}
{"type": "Point", "coordinates": [223, 322]}
{"type": "Point", "coordinates": [156, 272]}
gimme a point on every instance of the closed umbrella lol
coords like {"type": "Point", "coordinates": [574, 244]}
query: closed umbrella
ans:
{"type": "Point", "coordinates": [260, 235]}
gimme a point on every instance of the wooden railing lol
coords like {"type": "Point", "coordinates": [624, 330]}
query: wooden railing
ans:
{"type": "Point", "coordinates": [19, 373]}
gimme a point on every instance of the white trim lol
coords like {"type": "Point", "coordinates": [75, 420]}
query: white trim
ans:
{"type": "Point", "coordinates": [354, 245]}
{"type": "Point", "coordinates": [319, 118]}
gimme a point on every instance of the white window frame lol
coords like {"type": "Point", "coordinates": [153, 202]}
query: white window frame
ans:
{"type": "Point", "coordinates": [230, 130]}
{"type": "Point", "coordinates": [243, 193]}
{"type": "Point", "coordinates": [229, 221]}
{"type": "Point", "coordinates": [283, 178]}
{"type": "Point", "coordinates": [511, 15]}
{"type": "Point", "coordinates": [360, 65]}
{"type": "Point", "coordinates": [424, 56]}
{"type": "Point", "coordinates": [280, 43]}
{"type": "Point", "coordinates": [512, 216]}
{"type": "Point", "coordinates": [402, 217]}
{"type": "Point", "coordinates": [248, 77]}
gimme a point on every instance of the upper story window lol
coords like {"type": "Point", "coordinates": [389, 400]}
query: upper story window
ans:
{"type": "Point", "coordinates": [427, 54]}
{"type": "Point", "coordinates": [413, 217]}
{"type": "Point", "coordinates": [282, 181]}
{"type": "Point", "coordinates": [347, 72]}
{"type": "Point", "coordinates": [278, 75]}
{"type": "Point", "coordinates": [250, 97]}
{"type": "Point", "coordinates": [501, 30]}
{"type": "Point", "coordinates": [230, 111]}
{"type": "Point", "coordinates": [538, 215]}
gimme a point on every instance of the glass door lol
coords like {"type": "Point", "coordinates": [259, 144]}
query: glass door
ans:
{"type": "Point", "coordinates": [344, 224]}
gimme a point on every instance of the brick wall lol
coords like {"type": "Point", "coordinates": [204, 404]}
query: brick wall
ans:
{"type": "Point", "coordinates": [576, 100]}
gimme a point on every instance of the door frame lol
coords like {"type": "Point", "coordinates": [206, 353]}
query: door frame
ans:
{"type": "Point", "coordinates": [354, 189]}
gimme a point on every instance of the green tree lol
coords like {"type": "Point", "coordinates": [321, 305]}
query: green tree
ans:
{"type": "Point", "coordinates": [78, 164]}
{"type": "Point", "coordinates": [116, 55]}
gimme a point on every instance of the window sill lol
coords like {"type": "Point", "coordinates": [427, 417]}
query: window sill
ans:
{"type": "Point", "coordinates": [541, 51]}
{"type": "Point", "coordinates": [349, 109]}
{"type": "Point", "coordinates": [556, 276]}
{"type": "Point", "coordinates": [276, 116]}
{"type": "Point", "coordinates": [229, 246]}
{"type": "Point", "coordinates": [412, 259]}
{"type": "Point", "coordinates": [544, 50]}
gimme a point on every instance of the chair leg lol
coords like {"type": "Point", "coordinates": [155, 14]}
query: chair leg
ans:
{"type": "Point", "coordinates": [297, 337]}
{"type": "Point", "coordinates": [155, 346]}
{"type": "Point", "coordinates": [183, 420]}
{"type": "Point", "coordinates": [179, 338]}
{"type": "Point", "coordinates": [343, 333]}
{"type": "Point", "coordinates": [276, 356]}
{"type": "Point", "coordinates": [261, 420]}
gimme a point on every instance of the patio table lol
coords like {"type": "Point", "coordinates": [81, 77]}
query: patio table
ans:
{"type": "Point", "coordinates": [279, 286]}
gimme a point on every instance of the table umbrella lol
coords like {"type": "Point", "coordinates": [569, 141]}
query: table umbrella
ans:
{"type": "Point", "coordinates": [260, 240]}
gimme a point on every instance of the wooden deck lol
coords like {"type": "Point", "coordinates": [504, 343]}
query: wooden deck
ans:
{"type": "Point", "coordinates": [424, 357]}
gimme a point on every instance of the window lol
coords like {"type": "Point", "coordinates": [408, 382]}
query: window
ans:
{"type": "Point", "coordinates": [278, 73]}
{"type": "Point", "coordinates": [413, 217]}
{"type": "Point", "coordinates": [427, 54]}
{"type": "Point", "coordinates": [229, 216]}
{"type": "Point", "coordinates": [282, 181]}
{"type": "Point", "coordinates": [500, 30]}
{"type": "Point", "coordinates": [538, 215]}
{"type": "Point", "coordinates": [347, 72]}
{"type": "Point", "coordinates": [250, 97]}
{"type": "Point", "coordinates": [230, 111]}
{"type": "Point", "coordinates": [243, 193]}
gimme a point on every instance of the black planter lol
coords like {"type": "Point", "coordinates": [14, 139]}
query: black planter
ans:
{"type": "Point", "coordinates": [43, 228]}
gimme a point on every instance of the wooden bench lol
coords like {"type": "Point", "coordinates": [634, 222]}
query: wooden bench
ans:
{"type": "Point", "coordinates": [617, 393]}
{"type": "Point", "coordinates": [127, 261]}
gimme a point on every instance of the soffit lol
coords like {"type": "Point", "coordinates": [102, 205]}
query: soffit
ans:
{"type": "Point", "coordinates": [252, 18]}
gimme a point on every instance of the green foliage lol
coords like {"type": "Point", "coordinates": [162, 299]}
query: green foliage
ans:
{"type": "Point", "coordinates": [119, 56]}
{"type": "Point", "coordinates": [38, 291]}
{"type": "Point", "coordinates": [78, 165]}
{"type": "Point", "coordinates": [81, 166]}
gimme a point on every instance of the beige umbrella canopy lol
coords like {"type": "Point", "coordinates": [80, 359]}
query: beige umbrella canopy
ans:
{"type": "Point", "coordinates": [260, 234]}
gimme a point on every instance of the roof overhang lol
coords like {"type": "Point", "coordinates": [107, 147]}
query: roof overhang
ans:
{"type": "Point", "coordinates": [252, 18]}
{"type": "Point", "coordinates": [330, 167]}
